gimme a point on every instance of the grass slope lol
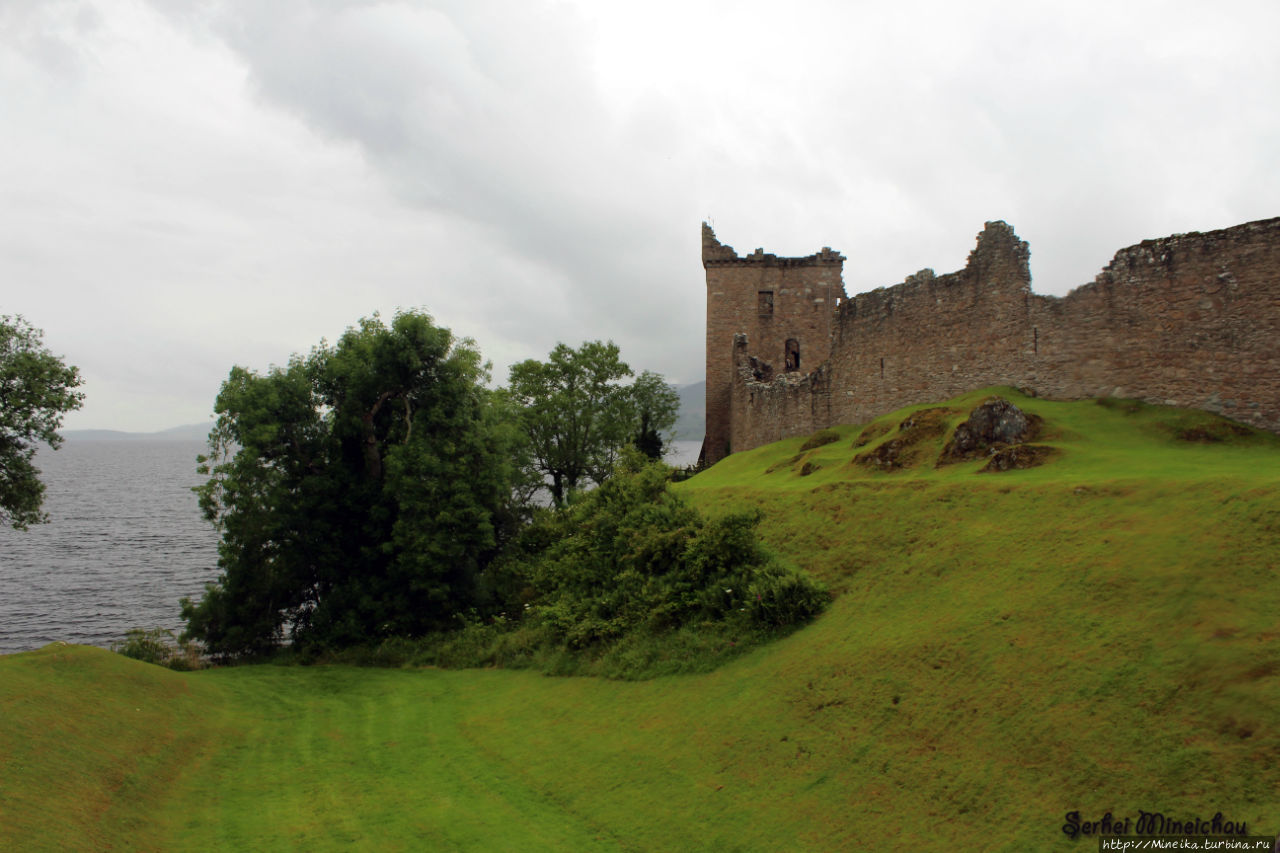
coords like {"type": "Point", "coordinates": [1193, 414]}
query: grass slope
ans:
{"type": "Point", "coordinates": [91, 743]}
{"type": "Point", "coordinates": [1099, 634]}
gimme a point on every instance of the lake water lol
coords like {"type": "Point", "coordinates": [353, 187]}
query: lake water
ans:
{"type": "Point", "coordinates": [125, 541]}
{"type": "Point", "coordinates": [682, 453]}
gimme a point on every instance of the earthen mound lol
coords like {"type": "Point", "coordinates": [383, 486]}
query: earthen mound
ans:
{"type": "Point", "coordinates": [871, 433]}
{"type": "Point", "coordinates": [819, 438]}
{"type": "Point", "coordinates": [1212, 433]}
{"type": "Point", "coordinates": [785, 463]}
{"type": "Point", "coordinates": [908, 448]}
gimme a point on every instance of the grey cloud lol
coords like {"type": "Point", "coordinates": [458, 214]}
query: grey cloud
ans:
{"type": "Point", "coordinates": [484, 111]}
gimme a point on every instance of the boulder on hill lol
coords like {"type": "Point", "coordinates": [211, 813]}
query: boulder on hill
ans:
{"type": "Point", "coordinates": [992, 426]}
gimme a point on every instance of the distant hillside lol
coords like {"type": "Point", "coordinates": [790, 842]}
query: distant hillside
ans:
{"type": "Point", "coordinates": [690, 426]}
{"type": "Point", "coordinates": [189, 432]}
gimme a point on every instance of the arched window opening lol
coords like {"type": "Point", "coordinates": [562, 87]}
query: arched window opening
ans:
{"type": "Point", "coordinates": [793, 354]}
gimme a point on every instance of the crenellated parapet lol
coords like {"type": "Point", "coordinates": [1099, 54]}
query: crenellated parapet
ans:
{"type": "Point", "coordinates": [716, 254]}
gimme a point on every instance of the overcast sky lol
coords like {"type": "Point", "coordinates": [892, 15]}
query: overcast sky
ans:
{"type": "Point", "coordinates": [185, 186]}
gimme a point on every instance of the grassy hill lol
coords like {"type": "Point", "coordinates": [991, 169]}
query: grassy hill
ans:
{"type": "Point", "coordinates": [1099, 633]}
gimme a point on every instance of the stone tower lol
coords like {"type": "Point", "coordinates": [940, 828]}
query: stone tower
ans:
{"type": "Point", "coordinates": [785, 306]}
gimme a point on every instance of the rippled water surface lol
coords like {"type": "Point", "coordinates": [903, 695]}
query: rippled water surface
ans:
{"type": "Point", "coordinates": [124, 542]}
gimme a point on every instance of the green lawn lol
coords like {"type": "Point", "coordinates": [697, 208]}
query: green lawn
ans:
{"type": "Point", "coordinates": [1098, 634]}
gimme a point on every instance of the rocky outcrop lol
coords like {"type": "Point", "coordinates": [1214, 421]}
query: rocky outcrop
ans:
{"type": "Point", "coordinates": [997, 430]}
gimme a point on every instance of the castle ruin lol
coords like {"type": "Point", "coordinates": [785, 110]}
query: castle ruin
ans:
{"type": "Point", "coordinates": [1190, 320]}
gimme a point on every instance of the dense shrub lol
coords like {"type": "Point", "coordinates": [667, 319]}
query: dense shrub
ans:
{"type": "Point", "coordinates": [159, 647]}
{"type": "Point", "coordinates": [632, 557]}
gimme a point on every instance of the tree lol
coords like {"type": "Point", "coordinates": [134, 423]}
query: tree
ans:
{"type": "Point", "coordinates": [657, 405]}
{"type": "Point", "coordinates": [359, 491]}
{"type": "Point", "coordinates": [577, 414]}
{"type": "Point", "coordinates": [36, 389]}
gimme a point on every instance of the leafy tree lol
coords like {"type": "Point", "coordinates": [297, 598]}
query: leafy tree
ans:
{"type": "Point", "coordinates": [36, 389]}
{"type": "Point", "coordinates": [657, 405]}
{"type": "Point", "coordinates": [577, 414]}
{"type": "Point", "coordinates": [359, 491]}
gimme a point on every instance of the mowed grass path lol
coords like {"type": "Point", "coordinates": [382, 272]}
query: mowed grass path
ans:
{"type": "Point", "coordinates": [255, 758]}
{"type": "Point", "coordinates": [341, 757]}
{"type": "Point", "coordinates": [1100, 634]}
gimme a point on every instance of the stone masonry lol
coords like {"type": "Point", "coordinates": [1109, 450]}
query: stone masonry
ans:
{"type": "Point", "coordinates": [1190, 320]}
{"type": "Point", "coordinates": [784, 306]}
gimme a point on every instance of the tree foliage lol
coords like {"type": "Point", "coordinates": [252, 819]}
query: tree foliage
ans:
{"type": "Point", "coordinates": [577, 413]}
{"type": "Point", "coordinates": [656, 407]}
{"type": "Point", "coordinates": [359, 491]}
{"type": "Point", "coordinates": [36, 390]}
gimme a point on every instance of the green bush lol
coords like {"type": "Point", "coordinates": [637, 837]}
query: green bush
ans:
{"type": "Point", "coordinates": [158, 646]}
{"type": "Point", "coordinates": [632, 559]}
{"type": "Point", "coordinates": [779, 599]}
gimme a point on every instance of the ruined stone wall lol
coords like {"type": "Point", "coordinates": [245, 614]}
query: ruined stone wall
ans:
{"type": "Point", "coordinates": [765, 411]}
{"type": "Point", "coordinates": [1191, 320]}
{"type": "Point", "coordinates": [933, 337]}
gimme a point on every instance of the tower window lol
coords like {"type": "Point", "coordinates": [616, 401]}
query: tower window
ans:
{"type": "Point", "coordinates": [766, 302]}
{"type": "Point", "coordinates": [793, 354]}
